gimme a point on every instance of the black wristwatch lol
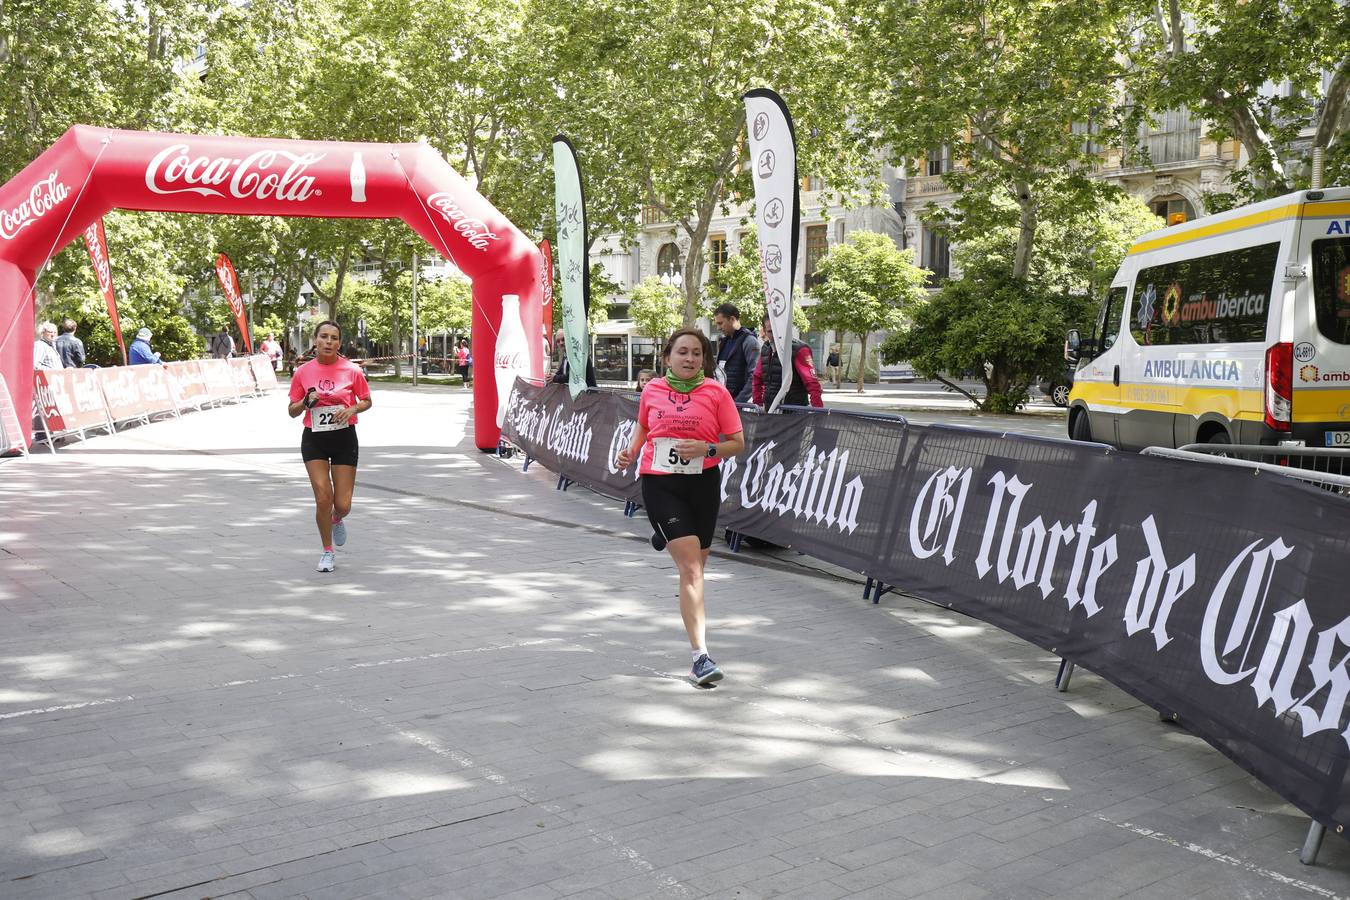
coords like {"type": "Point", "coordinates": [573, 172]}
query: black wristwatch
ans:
{"type": "Point", "coordinates": [712, 450]}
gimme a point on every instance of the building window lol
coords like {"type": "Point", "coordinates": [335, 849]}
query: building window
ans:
{"type": "Point", "coordinates": [939, 161]}
{"type": "Point", "coordinates": [1172, 209]}
{"type": "Point", "coordinates": [936, 255]}
{"type": "Point", "coordinates": [717, 251]}
{"type": "Point", "coordinates": [1176, 138]}
{"type": "Point", "coordinates": [668, 259]}
{"type": "Point", "coordinates": [813, 183]}
{"type": "Point", "coordinates": [817, 243]}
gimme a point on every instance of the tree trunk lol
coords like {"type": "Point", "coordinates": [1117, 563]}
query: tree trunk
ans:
{"type": "Point", "coordinates": [398, 342]}
{"type": "Point", "coordinates": [1334, 112]}
{"type": "Point", "coordinates": [1026, 229]}
{"type": "Point", "coordinates": [862, 360]}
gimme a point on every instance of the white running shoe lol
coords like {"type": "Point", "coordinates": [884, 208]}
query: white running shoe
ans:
{"type": "Point", "coordinates": [339, 532]}
{"type": "Point", "coordinates": [327, 562]}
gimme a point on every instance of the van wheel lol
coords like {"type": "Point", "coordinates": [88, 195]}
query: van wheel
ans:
{"type": "Point", "coordinates": [1059, 395]}
{"type": "Point", "coordinates": [1219, 437]}
{"type": "Point", "coordinates": [1079, 428]}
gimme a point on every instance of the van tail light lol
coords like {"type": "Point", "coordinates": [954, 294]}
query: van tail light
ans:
{"type": "Point", "coordinates": [1279, 386]}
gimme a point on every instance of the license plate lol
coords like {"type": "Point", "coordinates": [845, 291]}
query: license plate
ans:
{"type": "Point", "coordinates": [1338, 438]}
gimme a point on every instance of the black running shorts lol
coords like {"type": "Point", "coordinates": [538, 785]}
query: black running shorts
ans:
{"type": "Point", "coordinates": [684, 505]}
{"type": "Point", "coordinates": [339, 447]}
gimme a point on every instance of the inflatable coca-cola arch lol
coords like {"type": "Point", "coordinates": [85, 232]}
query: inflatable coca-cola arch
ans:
{"type": "Point", "coordinates": [92, 170]}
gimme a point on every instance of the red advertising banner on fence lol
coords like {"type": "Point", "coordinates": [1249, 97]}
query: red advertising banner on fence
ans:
{"type": "Point", "coordinates": [263, 373]}
{"type": "Point", "coordinates": [186, 383]}
{"type": "Point", "coordinates": [229, 283]}
{"type": "Point", "coordinates": [70, 399]}
{"type": "Point", "coordinates": [122, 392]}
{"type": "Point", "coordinates": [156, 394]}
{"type": "Point", "coordinates": [218, 378]}
{"type": "Point", "coordinates": [97, 242]}
{"type": "Point", "coordinates": [241, 370]}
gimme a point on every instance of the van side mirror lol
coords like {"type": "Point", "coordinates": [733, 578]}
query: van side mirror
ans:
{"type": "Point", "coordinates": [1073, 345]}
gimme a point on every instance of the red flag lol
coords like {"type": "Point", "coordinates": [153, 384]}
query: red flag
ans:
{"type": "Point", "coordinates": [97, 242]}
{"type": "Point", "coordinates": [546, 311]}
{"type": "Point", "coordinates": [229, 283]}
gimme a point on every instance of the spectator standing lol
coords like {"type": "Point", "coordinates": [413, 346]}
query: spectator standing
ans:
{"type": "Point", "coordinates": [769, 374]}
{"type": "Point", "coordinates": [462, 360]}
{"type": "Point", "coordinates": [222, 345]}
{"type": "Point", "coordinates": [738, 353]}
{"type": "Point", "coordinates": [69, 346]}
{"type": "Point", "coordinates": [140, 353]}
{"type": "Point", "coordinates": [273, 351]}
{"type": "Point", "coordinates": [44, 348]}
{"type": "Point", "coordinates": [644, 376]}
{"type": "Point", "coordinates": [832, 365]}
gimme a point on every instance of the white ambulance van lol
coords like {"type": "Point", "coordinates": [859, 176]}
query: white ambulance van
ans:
{"type": "Point", "coordinates": [1229, 329]}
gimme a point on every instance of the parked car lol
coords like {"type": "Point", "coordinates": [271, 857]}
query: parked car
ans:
{"type": "Point", "coordinates": [1057, 386]}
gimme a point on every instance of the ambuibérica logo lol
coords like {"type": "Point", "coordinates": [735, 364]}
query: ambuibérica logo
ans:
{"type": "Point", "coordinates": [474, 230]}
{"type": "Point", "coordinates": [45, 196]}
{"type": "Point", "coordinates": [267, 174]}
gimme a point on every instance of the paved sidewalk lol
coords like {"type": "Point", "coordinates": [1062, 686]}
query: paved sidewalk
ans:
{"type": "Point", "coordinates": [486, 700]}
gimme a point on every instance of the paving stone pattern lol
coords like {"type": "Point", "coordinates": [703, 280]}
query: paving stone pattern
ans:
{"type": "Point", "coordinates": [487, 700]}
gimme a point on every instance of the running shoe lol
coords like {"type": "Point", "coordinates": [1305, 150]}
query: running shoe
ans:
{"type": "Point", "coordinates": [339, 532]}
{"type": "Point", "coordinates": [328, 562]}
{"type": "Point", "coordinates": [705, 671]}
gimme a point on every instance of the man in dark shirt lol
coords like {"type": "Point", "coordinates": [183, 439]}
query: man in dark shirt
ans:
{"type": "Point", "coordinates": [69, 347]}
{"type": "Point", "coordinates": [737, 354]}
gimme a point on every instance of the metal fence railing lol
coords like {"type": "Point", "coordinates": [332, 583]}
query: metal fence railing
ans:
{"type": "Point", "coordinates": [1325, 467]}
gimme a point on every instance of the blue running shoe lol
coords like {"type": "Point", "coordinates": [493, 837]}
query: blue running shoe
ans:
{"type": "Point", "coordinates": [339, 532]}
{"type": "Point", "coordinates": [705, 671]}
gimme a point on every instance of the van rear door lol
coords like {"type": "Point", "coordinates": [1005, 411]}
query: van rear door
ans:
{"type": "Point", "coordinates": [1321, 333]}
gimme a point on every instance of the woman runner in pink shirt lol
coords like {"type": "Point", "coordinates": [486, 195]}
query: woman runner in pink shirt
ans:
{"type": "Point", "coordinates": [687, 422]}
{"type": "Point", "coordinates": [330, 391]}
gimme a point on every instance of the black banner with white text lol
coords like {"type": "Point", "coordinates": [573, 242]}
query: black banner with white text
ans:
{"type": "Point", "coordinates": [1202, 590]}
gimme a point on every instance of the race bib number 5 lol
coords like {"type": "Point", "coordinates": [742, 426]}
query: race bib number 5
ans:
{"type": "Point", "coordinates": [665, 459]}
{"type": "Point", "coordinates": [324, 418]}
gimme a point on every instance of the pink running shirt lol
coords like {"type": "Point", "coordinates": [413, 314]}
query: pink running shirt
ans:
{"type": "Point", "coordinates": [341, 384]}
{"type": "Point", "coordinates": [703, 415]}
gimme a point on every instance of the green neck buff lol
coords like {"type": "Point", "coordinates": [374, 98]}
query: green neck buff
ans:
{"type": "Point", "coordinates": [684, 387]}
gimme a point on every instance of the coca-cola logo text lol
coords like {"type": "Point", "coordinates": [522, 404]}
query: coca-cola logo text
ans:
{"type": "Point", "coordinates": [475, 231]}
{"type": "Point", "coordinates": [516, 360]}
{"type": "Point", "coordinates": [45, 196]}
{"type": "Point", "coordinates": [265, 175]}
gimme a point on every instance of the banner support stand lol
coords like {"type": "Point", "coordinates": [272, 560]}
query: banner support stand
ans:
{"type": "Point", "coordinates": [564, 482]}
{"type": "Point", "coordinates": [526, 467]}
{"type": "Point", "coordinates": [1064, 674]}
{"type": "Point", "coordinates": [630, 508]}
{"type": "Point", "coordinates": [1312, 844]}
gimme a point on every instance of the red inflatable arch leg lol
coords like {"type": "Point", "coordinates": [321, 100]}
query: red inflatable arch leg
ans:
{"type": "Point", "coordinates": [92, 170]}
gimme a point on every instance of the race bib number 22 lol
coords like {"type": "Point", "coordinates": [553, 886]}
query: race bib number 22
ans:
{"type": "Point", "coordinates": [324, 418]}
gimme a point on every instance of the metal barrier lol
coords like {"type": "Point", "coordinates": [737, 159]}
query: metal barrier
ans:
{"type": "Point", "coordinates": [1325, 467]}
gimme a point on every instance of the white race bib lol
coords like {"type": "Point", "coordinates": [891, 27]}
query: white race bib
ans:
{"type": "Point", "coordinates": [324, 418]}
{"type": "Point", "coordinates": [665, 459]}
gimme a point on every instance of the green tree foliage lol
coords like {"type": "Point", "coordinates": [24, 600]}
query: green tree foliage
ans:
{"type": "Point", "coordinates": [1009, 331]}
{"type": "Point", "coordinates": [655, 308]}
{"type": "Point", "coordinates": [1219, 58]}
{"type": "Point", "coordinates": [867, 284]}
{"type": "Point", "coordinates": [681, 69]}
{"type": "Point", "coordinates": [1001, 85]}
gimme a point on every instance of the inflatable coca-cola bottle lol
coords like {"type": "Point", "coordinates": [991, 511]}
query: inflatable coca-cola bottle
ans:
{"type": "Point", "coordinates": [512, 357]}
